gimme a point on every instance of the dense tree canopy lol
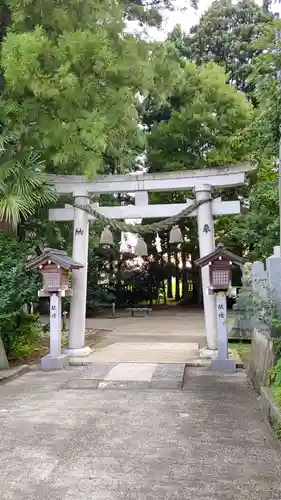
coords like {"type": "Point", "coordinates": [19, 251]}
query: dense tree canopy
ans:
{"type": "Point", "coordinates": [266, 126]}
{"type": "Point", "coordinates": [206, 121]}
{"type": "Point", "coordinates": [72, 81]}
{"type": "Point", "coordinates": [226, 34]}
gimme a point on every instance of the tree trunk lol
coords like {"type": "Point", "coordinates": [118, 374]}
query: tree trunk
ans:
{"type": "Point", "coordinates": [184, 275]}
{"type": "Point", "coordinates": [163, 284]}
{"type": "Point", "coordinates": [177, 276]}
{"type": "Point", "coordinates": [169, 287]}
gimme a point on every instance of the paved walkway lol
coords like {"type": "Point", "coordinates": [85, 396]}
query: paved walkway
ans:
{"type": "Point", "coordinates": [168, 336]}
{"type": "Point", "coordinates": [143, 352]}
{"type": "Point", "coordinates": [174, 323]}
{"type": "Point", "coordinates": [205, 442]}
{"type": "Point", "coordinates": [129, 376]}
{"type": "Point", "coordinates": [172, 335]}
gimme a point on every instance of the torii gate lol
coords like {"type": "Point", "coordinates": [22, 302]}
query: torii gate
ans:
{"type": "Point", "coordinates": [201, 181]}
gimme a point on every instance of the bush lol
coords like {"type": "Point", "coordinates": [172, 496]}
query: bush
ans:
{"type": "Point", "coordinates": [18, 288]}
{"type": "Point", "coordinates": [25, 339]}
{"type": "Point", "coordinates": [275, 374]}
{"type": "Point", "coordinates": [277, 395]}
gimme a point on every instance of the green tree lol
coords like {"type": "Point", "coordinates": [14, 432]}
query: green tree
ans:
{"type": "Point", "coordinates": [72, 78]}
{"type": "Point", "coordinates": [17, 288]}
{"type": "Point", "coordinates": [207, 122]}
{"type": "Point", "coordinates": [200, 122]}
{"type": "Point", "coordinates": [266, 126]}
{"type": "Point", "coordinates": [257, 228]}
{"type": "Point", "coordinates": [225, 35]}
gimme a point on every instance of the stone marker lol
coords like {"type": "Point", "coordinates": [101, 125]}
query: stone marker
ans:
{"type": "Point", "coordinates": [222, 363]}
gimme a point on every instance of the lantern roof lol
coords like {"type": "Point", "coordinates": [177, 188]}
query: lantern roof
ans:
{"type": "Point", "coordinates": [220, 252]}
{"type": "Point", "coordinates": [58, 257]}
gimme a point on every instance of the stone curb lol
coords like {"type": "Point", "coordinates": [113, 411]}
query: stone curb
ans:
{"type": "Point", "coordinates": [206, 363]}
{"type": "Point", "coordinates": [80, 362]}
{"type": "Point", "coordinates": [270, 411]}
{"type": "Point", "coordinates": [12, 373]}
{"type": "Point", "coordinates": [196, 363]}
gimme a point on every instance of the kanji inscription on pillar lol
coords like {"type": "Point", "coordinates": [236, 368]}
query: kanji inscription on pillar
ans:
{"type": "Point", "coordinates": [53, 311]}
{"type": "Point", "coordinates": [221, 325]}
{"type": "Point", "coordinates": [206, 229]}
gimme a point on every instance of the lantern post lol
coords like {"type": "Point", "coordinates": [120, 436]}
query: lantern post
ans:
{"type": "Point", "coordinates": [55, 266]}
{"type": "Point", "coordinates": [220, 263]}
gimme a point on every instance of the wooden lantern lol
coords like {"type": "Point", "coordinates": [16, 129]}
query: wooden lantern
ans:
{"type": "Point", "coordinates": [220, 265]}
{"type": "Point", "coordinates": [220, 274]}
{"type": "Point", "coordinates": [55, 266]}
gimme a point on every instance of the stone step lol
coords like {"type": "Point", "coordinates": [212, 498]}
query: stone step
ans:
{"type": "Point", "coordinates": [129, 376]}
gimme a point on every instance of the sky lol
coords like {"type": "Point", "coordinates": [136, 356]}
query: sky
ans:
{"type": "Point", "coordinates": [186, 18]}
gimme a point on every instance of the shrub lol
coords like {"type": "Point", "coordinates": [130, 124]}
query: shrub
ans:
{"type": "Point", "coordinates": [24, 341]}
{"type": "Point", "coordinates": [277, 395]}
{"type": "Point", "coordinates": [18, 288]}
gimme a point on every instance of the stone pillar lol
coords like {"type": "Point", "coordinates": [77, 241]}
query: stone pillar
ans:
{"type": "Point", "coordinates": [77, 320]}
{"type": "Point", "coordinates": [206, 246]}
{"type": "Point", "coordinates": [260, 280]}
{"type": "Point", "coordinates": [55, 360]}
{"type": "Point", "coordinates": [222, 364]}
{"type": "Point", "coordinates": [221, 311]}
{"type": "Point", "coordinates": [55, 325]}
{"type": "Point", "coordinates": [273, 266]}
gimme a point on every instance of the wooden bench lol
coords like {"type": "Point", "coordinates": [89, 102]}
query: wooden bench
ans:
{"type": "Point", "coordinates": [133, 310]}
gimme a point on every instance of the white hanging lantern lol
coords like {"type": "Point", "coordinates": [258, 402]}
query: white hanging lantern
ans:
{"type": "Point", "coordinates": [175, 235]}
{"type": "Point", "coordinates": [106, 237]}
{"type": "Point", "coordinates": [141, 247]}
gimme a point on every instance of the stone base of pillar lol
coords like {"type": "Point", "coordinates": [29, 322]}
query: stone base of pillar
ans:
{"type": "Point", "coordinates": [53, 363]}
{"type": "Point", "coordinates": [206, 353]}
{"type": "Point", "coordinates": [81, 352]}
{"type": "Point", "coordinates": [223, 365]}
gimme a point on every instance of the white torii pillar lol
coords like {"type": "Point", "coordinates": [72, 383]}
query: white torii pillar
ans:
{"type": "Point", "coordinates": [77, 320]}
{"type": "Point", "coordinates": [206, 237]}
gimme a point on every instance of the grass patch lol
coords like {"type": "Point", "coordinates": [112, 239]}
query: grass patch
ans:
{"type": "Point", "coordinates": [243, 349]}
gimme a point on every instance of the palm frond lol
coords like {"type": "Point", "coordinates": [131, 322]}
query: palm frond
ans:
{"type": "Point", "coordinates": [8, 138]}
{"type": "Point", "coordinates": [23, 187]}
{"type": "Point", "coordinates": [13, 208]}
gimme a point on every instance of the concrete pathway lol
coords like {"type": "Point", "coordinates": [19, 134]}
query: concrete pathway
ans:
{"type": "Point", "coordinates": [205, 442]}
{"type": "Point", "coordinates": [129, 376]}
{"type": "Point", "coordinates": [168, 336]}
{"type": "Point", "coordinates": [179, 325]}
{"type": "Point", "coordinates": [144, 352]}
